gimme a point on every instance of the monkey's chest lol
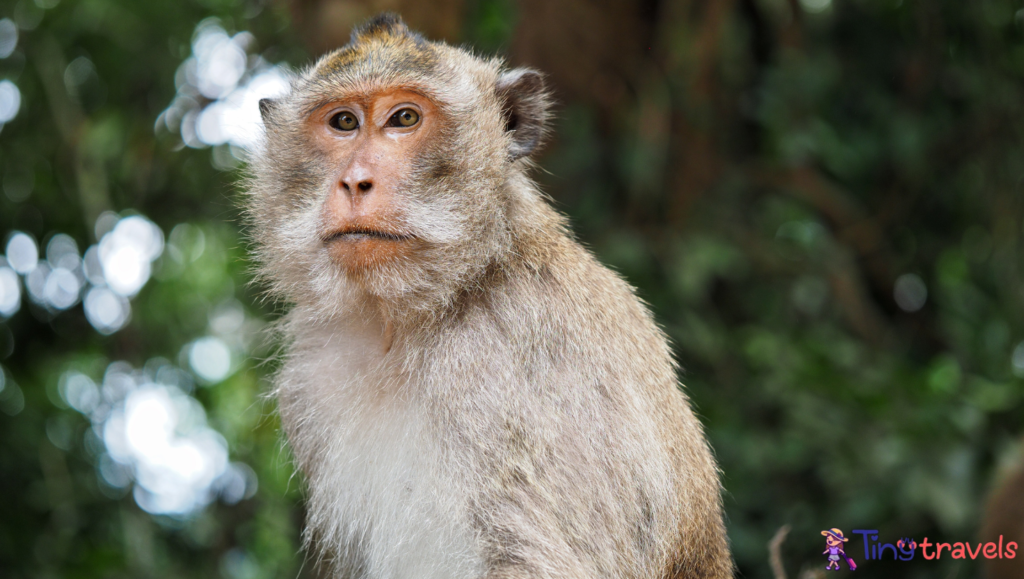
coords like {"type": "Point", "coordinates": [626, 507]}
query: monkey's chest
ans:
{"type": "Point", "coordinates": [383, 494]}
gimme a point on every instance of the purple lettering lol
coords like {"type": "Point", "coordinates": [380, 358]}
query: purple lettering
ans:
{"type": "Point", "coordinates": [865, 533]}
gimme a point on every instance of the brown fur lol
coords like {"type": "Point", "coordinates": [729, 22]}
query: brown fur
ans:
{"type": "Point", "coordinates": [496, 403]}
{"type": "Point", "coordinates": [1004, 516]}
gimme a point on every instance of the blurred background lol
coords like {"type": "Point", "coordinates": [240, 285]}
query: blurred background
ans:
{"type": "Point", "coordinates": [820, 199]}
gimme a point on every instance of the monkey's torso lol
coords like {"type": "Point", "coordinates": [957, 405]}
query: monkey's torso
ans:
{"type": "Point", "coordinates": [537, 432]}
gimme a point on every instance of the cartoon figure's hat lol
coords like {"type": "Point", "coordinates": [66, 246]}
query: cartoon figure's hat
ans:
{"type": "Point", "coordinates": [835, 534]}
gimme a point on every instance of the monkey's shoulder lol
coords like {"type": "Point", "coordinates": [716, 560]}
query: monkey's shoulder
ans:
{"type": "Point", "coordinates": [575, 299]}
{"type": "Point", "coordinates": [567, 326]}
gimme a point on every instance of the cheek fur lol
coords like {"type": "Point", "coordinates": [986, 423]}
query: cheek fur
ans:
{"type": "Point", "coordinates": [436, 220]}
{"type": "Point", "coordinates": [291, 251]}
{"type": "Point", "coordinates": [453, 198]}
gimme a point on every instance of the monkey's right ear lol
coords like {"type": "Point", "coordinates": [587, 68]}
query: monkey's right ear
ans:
{"type": "Point", "coordinates": [525, 109]}
{"type": "Point", "coordinates": [267, 106]}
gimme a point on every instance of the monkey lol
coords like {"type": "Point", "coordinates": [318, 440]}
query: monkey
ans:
{"type": "Point", "coordinates": [468, 392]}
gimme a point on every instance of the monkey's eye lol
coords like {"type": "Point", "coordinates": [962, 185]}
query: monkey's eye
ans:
{"type": "Point", "coordinates": [344, 121]}
{"type": "Point", "coordinates": [404, 118]}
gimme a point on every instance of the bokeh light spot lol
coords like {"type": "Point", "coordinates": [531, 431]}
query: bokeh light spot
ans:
{"type": "Point", "coordinates": [107, 311]}
{"type": "Point", "coordinates": [61, 289]}
{"type": "Point", "coordinates": [126, 254]}
{"type": "Point", "coordinates": [79, 391]}
{"type": "Point", "coordinates": [22, 253]}
{"type": "Point", "coordinates": [910, 292]}
{"type": "Point", "coordinates": [10, 100]}
{"type": "Point", "coordinates": [210, 359]}
{"type": "Point", "coordinates": [1017, 360]}
{"type": "Point", "coordinates": [156, 435]}
{"type": "Point", "coordinates": [8, 37]}
{"type": "Point", "coordinates": [10, 292]}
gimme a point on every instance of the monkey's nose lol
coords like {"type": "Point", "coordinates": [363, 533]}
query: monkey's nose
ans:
{"type": "Point", "coordinates": [361, 186]}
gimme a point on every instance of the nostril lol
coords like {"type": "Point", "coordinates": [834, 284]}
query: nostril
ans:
{"type": "Point", "coordinates": [365, 186]}
{"type": "Point", "coordinates": [345, 186]}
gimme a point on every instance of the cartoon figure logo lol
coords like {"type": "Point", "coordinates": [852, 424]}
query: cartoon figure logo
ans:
{"type": "Point", "coordinates": [834, 540]}
{"type": "Point", "coordinates": [910, 545]}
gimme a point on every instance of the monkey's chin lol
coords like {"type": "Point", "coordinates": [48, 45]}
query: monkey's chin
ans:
{"type": "Point", "coordinates": [358, 253]}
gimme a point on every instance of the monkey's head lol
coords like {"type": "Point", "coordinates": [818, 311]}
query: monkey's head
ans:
{"type": "Point", "coordinates": [394, 168]}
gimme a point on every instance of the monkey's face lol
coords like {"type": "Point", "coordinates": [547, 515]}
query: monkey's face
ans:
{"type": "Point", "coordinates": [400, 192]}
{"type": "Point", "coordinates": [369, 145]}
{"type": "Point", "coordinates": [386, 172]}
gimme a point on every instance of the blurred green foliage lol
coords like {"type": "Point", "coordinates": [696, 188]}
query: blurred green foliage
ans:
{"type": "Point", "coordinates": [780, 200]}
{"type": "Point", "coordinates": [94, 76]}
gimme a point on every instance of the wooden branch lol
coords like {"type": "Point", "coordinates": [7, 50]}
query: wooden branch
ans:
{"type": "Point", "coordinates": [775, 552]}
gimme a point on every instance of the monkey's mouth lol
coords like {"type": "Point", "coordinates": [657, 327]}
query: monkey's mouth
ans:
{"type": "Point", "coordinates": [360, 234]}
{"type": "Point", "coordinates": [358, 247]}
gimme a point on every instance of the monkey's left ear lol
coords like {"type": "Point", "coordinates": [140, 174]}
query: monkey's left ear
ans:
{"type": "Point", "coordinates": [525, 109]}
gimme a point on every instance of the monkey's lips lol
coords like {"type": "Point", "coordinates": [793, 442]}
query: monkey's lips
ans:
{"type": "Point", "coordinates": [360, 234]}
{"type": "Point", "coordinates": [357, 248]}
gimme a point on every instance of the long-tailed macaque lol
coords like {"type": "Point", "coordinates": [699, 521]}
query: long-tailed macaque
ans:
{"type": "Point", "coordinates": [467, 390]}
